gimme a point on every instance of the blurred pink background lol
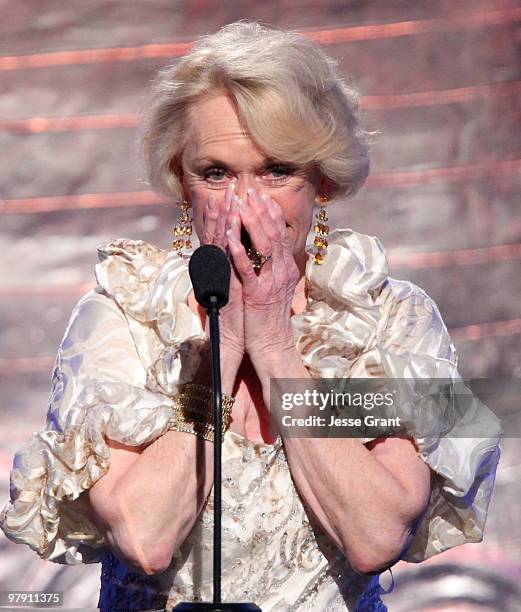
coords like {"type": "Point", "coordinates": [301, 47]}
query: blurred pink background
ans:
{"type": "Point", "coordinates": [440, 80]}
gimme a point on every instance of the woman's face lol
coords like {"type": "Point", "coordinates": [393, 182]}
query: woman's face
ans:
{"type": "Point", "coordinates": [220, 151]}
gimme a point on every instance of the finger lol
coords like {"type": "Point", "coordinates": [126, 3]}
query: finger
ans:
{"type": "Point", "coordinates": [254, 227]}
{"type": "Point", "coordinates": [214, 219]}
{"type": "Point", "coordinates": [278, 224]}
{"type": "Point", "coordinates": [270, 216]}
{"type": "Point", "coordinates": [233, 223]}
{"type": "Point", "coordinates": [241, 261]}
{"type": "Point", "coordinates": [263, 205]}
{"type": "Point", "coordinates": [276, 213]}
{"type": "Point", "coordinates": [233, 218]}
{"type": "Point", "coordinates": [223, 208]}
{"type": "Point", "coordinates": [209, 219]}
{"type": "Point", "coordinates": [285, 266]}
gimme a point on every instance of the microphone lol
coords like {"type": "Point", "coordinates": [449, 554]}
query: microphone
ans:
{"type": "Point", "coordinates": [210, 273]}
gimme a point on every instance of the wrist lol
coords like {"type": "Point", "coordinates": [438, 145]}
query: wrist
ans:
{"type": "Point", "coordinates": [231, 359]}
{"type": "Point", "coordinates": [277, 361]}
{"type": "Point", "coordinates": [230, 355]}
{"type": "Point", "coordinates": [193, 412]}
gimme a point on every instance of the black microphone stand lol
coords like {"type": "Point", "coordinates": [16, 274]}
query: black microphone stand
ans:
{"type": "Point", "coordinates": [216, 605]}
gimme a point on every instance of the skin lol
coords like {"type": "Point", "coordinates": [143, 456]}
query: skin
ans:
{"type": "Point", "coordinates": [367, 498]}
{"type": "Point", "coordinates": [231, 182]}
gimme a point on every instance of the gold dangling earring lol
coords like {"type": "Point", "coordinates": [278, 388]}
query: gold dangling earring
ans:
{"type": "Point", "coordinates": [321, 232]}
{"type": "Point", "coordinates": [183, 230]}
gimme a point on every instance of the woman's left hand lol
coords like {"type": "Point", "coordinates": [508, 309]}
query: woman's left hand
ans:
{"type": "Point", "coordinates": [268, 294]}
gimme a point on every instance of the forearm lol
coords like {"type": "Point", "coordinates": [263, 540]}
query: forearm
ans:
{"type": "Point", "coordinates": [363, 507]}
{"type": "Point", "coordinates": [359, 503]}
{"type": "Point", "coordinates": [158, 499]}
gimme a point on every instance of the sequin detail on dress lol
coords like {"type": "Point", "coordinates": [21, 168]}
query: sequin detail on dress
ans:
{"type": "Point", "coordinates": [133, 340]}
{"type": "Point", "coordinates": [271, 554]}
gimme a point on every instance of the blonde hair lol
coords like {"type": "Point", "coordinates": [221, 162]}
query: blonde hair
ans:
{"type": "Point", "coordinates": [288, 95]}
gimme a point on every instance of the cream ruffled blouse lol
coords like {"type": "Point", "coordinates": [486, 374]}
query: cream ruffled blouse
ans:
{"type": "Point", "coordinates": [129, 344]}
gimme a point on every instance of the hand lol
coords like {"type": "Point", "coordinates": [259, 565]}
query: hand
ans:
{"type": "Point", "coordinates": [267, 295]}
{"type": "Point", "coordinates": [220, 216]}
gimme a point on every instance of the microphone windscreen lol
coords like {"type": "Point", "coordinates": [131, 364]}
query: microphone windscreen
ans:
{"type": "Point", "coordinates": [209, 271]}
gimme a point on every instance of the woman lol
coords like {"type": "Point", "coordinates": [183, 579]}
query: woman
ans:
{"type": "Point", "coordinates": [250, 130]}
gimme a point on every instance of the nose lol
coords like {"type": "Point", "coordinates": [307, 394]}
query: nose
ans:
{"type": "Point", "coordinates": [244, 182]}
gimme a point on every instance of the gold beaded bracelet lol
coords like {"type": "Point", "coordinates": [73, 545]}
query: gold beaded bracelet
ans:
{"type": "Point", "coordinates": [193, 412]}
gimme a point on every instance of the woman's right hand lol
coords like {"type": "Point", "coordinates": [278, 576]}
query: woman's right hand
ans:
{"type": "Point", "coordinates": [220, 215]}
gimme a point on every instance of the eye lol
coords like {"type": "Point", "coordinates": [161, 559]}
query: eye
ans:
{"type": "Point", "coordinates": [277, 173]}
{"type": "Point", "coordinates": [214, 175]}
{"type": "Point", "coordinates": [274, 174]}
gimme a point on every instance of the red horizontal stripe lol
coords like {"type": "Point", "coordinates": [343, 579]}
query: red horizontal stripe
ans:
{"type": "Point", "coordinates": [447, 175]}
{"type": "Point", "coordinates": [19, 365]}
{"type": "Point", "coordinates": [479, 331]}
{"type": "Point", "coordinates": [460, 257]}
{"type": "Point", "coordinates": [81, 201]}
{"type": "Point", "coordinates": [469, 333]}
{"type": "Point", "coordinates": [46, 291]}
{"type": "Point", "coordinates": [433, 259]}
{"type": "Point", "coordinates": [37, 125]}
{"type": "Point", "coordinates": [149, 198]}
{"type": "Point", "coordinates": [92, 56]}
{"type": "Point", "coordinates": [441, 96]}
{"type": "Point", "coordinates": [464, 20]}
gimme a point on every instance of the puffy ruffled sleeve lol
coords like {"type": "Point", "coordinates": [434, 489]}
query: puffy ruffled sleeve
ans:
{"type": "Point", "coordinates": [460, 444]}
{"type": "Point", "coordinates": [100, 391]}
{"type": "Point", "coordinates": [360, 323]}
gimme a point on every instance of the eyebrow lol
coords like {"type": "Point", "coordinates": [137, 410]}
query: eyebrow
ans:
{"type": "Point", "coordinates": [213, 161]}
